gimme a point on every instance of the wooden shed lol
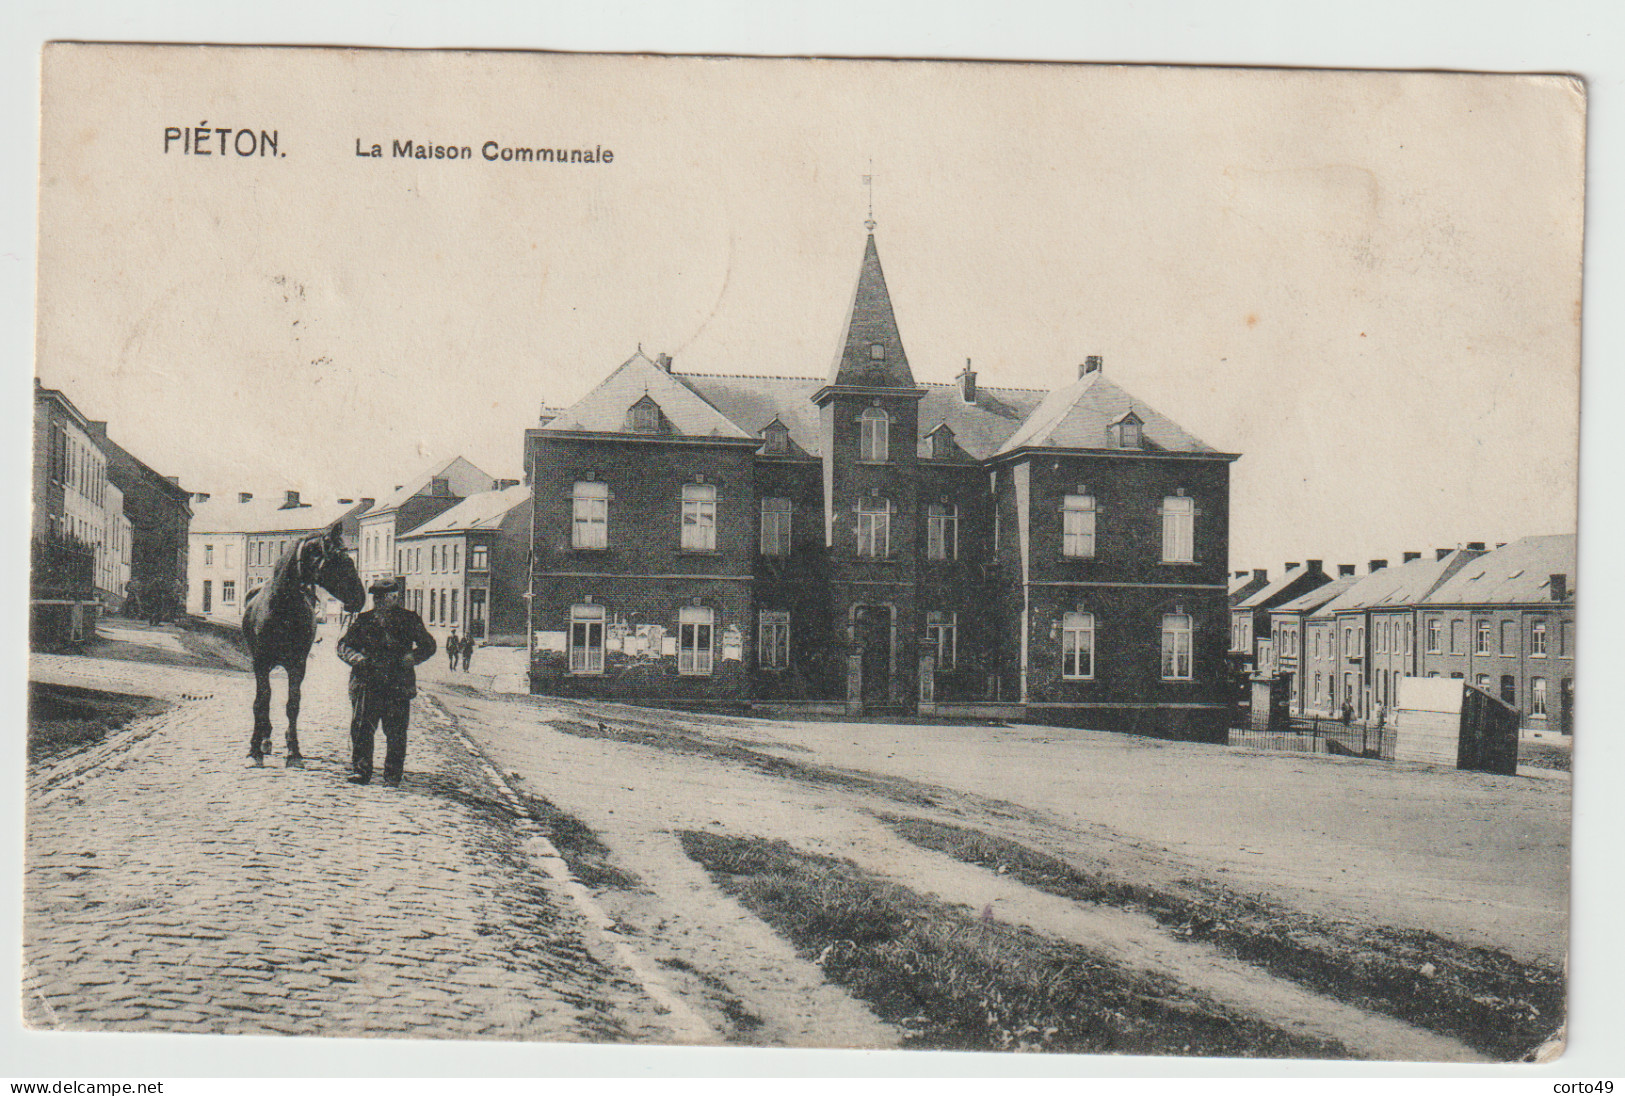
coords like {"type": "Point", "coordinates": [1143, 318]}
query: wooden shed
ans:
{"type": "Point", "coordinates": [1445, 721]}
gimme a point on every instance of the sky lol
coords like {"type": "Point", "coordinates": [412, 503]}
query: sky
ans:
{"type": "Point", "coordinates": [1366, 284]}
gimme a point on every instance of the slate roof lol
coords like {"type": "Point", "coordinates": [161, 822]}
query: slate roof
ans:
{"type": "Point", "coordinates": [997, 421]}
{"type": "Point", "coordinates": [263, 515]}
{"type": "Point", "coordinates": [1077, 417]}
{"type": "Point", "coordinates": [1314, 599]}
{"type": "Point", "coordinates": [1519, 574]}
{"type": "Point", "coordinates": [417, 483]}
{"type": "Point", "coordinates": [482, 511]}
{"type": "Point", "coordinates": [603, 410]}
{"type": "Point", "coordinates": [1260, 599]}
{"type": "Point", "coordinates": [870, 322]}
{"type": "Point", "coordinates": [1395, 587]}
{"type": "Point", "coordinates": [753, 402]}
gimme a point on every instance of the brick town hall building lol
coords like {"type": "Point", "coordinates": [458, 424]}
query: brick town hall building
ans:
{"type": "Point", "coordinates": [865, 543]}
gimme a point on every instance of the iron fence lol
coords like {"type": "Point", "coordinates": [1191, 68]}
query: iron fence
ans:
{"type": "Point", "coordinates": [1322, 736]}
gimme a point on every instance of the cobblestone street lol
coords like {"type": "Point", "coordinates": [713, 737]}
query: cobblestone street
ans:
{"type": "Point", "coordinates": [171, 886]}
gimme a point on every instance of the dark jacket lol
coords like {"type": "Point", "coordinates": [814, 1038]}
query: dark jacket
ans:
{"type": "Point", "coordinates": [383, 648]}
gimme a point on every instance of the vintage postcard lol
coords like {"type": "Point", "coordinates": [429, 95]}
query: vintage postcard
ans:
{"type": "Point", "coordinates": [804, 553]}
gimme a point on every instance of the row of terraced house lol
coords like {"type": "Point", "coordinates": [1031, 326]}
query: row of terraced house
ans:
{"type": "Point", "coordinates": [459, 538]}
{"type": "Point", "coordinates": [108, 531]}
{"type": "Point", "coordinates": [1501, 619]}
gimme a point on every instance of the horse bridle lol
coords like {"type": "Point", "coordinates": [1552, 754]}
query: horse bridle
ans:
{"type": "Point", "coordinates": [317, 549]}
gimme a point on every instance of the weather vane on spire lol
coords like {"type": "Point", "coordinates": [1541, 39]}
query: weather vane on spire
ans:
{"type": "Point", "coordinates": [869, 183]}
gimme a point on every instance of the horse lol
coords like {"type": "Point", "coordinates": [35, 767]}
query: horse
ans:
{"type": "Point", "coordinates": [279, 626]}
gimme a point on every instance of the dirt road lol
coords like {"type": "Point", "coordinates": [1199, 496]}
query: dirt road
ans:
{"type": "Point", "coordinates": [1147, 812]}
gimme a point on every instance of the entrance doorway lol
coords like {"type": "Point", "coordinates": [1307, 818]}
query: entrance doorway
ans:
{"type": "Point", "coordinates": [871, 630]}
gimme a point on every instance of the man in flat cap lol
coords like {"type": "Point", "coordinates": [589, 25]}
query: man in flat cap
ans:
{"type": "Point", "coordinates": [383, 648]}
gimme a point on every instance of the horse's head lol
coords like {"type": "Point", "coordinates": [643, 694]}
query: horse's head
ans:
{"type": "Point", "coordinates": [324, 562]}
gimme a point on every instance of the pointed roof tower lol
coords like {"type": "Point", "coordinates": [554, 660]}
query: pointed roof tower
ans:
{"type": "Point", "coordinates": [871, 349]}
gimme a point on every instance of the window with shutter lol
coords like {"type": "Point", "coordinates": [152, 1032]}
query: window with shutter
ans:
{"type": "Point", "coordinates": [699, 518]}
{"type": "Point", "coordinates": [589, 516]}
{"type": "Point", "coordinates": [1078, 527]}
{"type": "Point", "coordinates": [1178, 530]}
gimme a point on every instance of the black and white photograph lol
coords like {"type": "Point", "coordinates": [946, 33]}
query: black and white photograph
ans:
{"type": "Point", "coordinates": [748, 552]}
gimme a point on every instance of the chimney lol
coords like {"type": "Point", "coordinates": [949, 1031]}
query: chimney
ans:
{"type": "Point", "coordinates": [346, 502]}
{"type": "Point", "coordinates": [290, 500]}
{"type": "Point", "coordinates": [546, 416]}
{"type": "Point", "coordinates": [1440, 553]}
{"type": "Point", "coordinates": [440, 487]}
{"type": "Point", "coordinates": [367, 502]}
{"type": "Point", "coordinates": [1345, 570]}
{"type": "Point", "coordinates": [1411, 557]}
{"type": "Point", "coordinates": [967, 383]}
{"type": "Point", "coordinates": [200, 496]}
{"type": "Point", "coordinates": [245, 496]}
{"type": "Point", "coordinates": [1377, 565]}
{"type": "Point", "coordinates": [663, 362]}
{"type": "Point", "coordinates": [1261, 574]}
{"type": "Point", "coordinates": [1091, 364]}
{"type": "Point", "coordinates": [1239, 574]}
{"type": "Point", "coordinates": [1291, 567]}
{"type": "Point", "coordinates": [504, 484]}
{"type": "Point", "coordinates": [1560, 587]}
{"type": "Point", "coordinates": [1475, 546]}
{"type": "Point", "coordinates": [176, 480]}
{"type": "Point", "coordinates": [1315, 566]}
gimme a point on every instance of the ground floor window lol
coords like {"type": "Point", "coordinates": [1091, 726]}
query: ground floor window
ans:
{"type": "Point", "coordinates": [1176, 647]}
{"type": "Point", "coordinates": [208, 595]}
{"type": "Point", "coordinates": [228, 592]}
{"type": "Point", "coordinates": [586, 639]}
{"type": "Point", "coordinates": [1078, 646]}
{"type": "Point", "coordinates": [773, 640]}
{"type": "Point", "coordinates": [695, 632]}
{"type": "Point", "coordinates": [1537, 696]}
{"type": "Point", "coordinates": [942, 637]}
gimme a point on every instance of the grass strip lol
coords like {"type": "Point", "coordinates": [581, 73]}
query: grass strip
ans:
{"type": "Point", "coordinates": [954, 981]}
{"type": "Point", "coordinates": [62, 718]}
{"type": "Point", "coordinates": [1490, 1001]}
{"type": "Point", "coordinates": [679, 740]}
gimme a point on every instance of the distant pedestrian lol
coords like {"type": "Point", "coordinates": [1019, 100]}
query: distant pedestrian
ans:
{"type": "Point", "coordinates": [468, 651]}
{"type": "Point", "coordinates": [1348, 712]}
{"type": "Point", "coordinates": [454, 647]}
{"type": "Point", "coordinates": [383, 649]}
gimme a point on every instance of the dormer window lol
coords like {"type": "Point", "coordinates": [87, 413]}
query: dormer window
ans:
{"type": "Point", "coordinates": [644, 417]}
{"type": "Point", "coordinates": [877, 352]}
{"type": "Point", "coordinates": [775, 439]}
{"type": "Point", "coordinates": [1126, 433]}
